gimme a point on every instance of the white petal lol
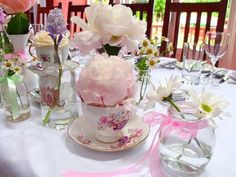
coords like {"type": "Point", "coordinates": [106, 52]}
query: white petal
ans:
{"type": "Point", "coordinates": [80, 22]}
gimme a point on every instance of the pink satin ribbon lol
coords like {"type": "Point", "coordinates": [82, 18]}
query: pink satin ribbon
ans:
{"type": "Point", "coordinates": [168, 125]}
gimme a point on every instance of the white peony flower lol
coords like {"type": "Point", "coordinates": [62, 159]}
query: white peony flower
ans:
{"type": "Point", "coordinates": [209, 105]}
{"type": "Point", "coordinates": [115, 26]}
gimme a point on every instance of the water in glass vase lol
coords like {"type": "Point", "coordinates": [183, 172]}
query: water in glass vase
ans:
{"type": "Point", "coordinates": [187, 148]}
{"type": "Point", "coordinates": [58, 98]}
{"type": "Point", "coordinates": [184, 158]}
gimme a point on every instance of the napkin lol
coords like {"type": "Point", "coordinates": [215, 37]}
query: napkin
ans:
{"type": "Point", "coordinates": [233, 75]}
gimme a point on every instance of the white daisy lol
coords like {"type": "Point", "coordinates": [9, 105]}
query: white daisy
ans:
{"type": "Point", "coordinates": [172, 84]}
{"type": "Point", "coordinates": [145, 43]}
{"type": "Point", "coordinates": [156, 53]}
{"type": "Point", "coordinates": [17, 69]}
{"type": "Point", "coordinates": [161, 93]}
{"type": "Point", "coordinates": [8, 64]}
{"type": "Point", "coordinates": [151, 62]}
{"type": "Point", "coordinates": [208, 104]}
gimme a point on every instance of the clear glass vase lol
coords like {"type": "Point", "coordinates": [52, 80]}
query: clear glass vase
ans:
{"type": "Point", "coordinates": [187, 149]}
{"type": "Point", "coordinates": [15, 100]}
{"type": "Point", "coordinates": [144, 85]}
{"type": "Point", "coordinates": [58, 95]}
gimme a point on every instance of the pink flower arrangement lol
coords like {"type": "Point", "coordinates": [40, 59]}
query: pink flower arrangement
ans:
{"type": "Point", "coordinates": [13, 6]}
{"type": "Point", "coordinates": [106, 81]}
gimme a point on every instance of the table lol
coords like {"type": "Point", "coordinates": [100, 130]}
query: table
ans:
{"type": "Point", "coordinates": [27, 149]}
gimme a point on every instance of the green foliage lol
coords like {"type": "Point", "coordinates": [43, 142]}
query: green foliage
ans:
{"type": "Point", "coordinates": [5, 43]}
{"type": "Point", "coordinates": [112, 50]}
{"type": "Point", "coordinates": [18, 24]}
{"type": "Point", "coordinates": [141, 64]}
{"type": "Point", "coordinates": [201, 0]}
{"type": "Point", "coordinates": [159, 8]}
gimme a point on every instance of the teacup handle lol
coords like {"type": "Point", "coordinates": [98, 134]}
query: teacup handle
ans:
{"type": "Point", "coordinates": [31, 54]}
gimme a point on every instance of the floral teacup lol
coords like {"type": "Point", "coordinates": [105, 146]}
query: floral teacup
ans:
{"type": "Point", "coordinates": [45, 54]}
{"type": "Point", "coordinates": [107, 121]}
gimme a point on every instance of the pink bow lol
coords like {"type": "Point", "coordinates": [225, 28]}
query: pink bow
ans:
{"type": "Point", "coordinates": [167, 125]}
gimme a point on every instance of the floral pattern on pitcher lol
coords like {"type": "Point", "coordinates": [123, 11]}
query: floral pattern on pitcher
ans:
{"type": "Point", "coordinates": [49, 96]}
{"type": "Point", "coordinates": [134, 134]}
{"type": "Point", "coordinates": [45, 57]}
{"type": "Point", "coordinates": [116, 121]}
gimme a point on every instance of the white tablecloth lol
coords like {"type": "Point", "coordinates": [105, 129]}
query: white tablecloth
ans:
{"type": "Point", "coordinates": [27, 149]}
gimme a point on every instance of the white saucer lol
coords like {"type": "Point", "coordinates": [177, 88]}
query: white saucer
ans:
{"type": "Point", "coordinates": [135, 132]}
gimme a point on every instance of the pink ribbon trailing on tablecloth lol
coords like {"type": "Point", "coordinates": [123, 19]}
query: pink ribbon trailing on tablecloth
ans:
{"type": "Point", "coordinates": [168, 125]}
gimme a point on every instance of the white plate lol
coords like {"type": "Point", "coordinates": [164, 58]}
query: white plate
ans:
{"type": "Point", "coordinates": [135, 132]}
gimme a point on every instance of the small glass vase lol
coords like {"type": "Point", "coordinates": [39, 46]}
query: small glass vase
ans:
{"type": "Point", "coordinates": [188, 148]}
{"type": "Point", "coordinates": [58, 97]}
{"type": "Point", "coordinates": [15, 100]}
{"type": "Point", "coordinates": [144, 85]}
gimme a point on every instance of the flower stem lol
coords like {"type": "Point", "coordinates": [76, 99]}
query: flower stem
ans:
{"type": "Point", "coordinates": [143, 90]}
{"type": "Point", "coordinates": [199, 145]}
{"type": "Point", "coordinates": [46, 118]}
{"type": "Point", "coordinates": [59, 71]}
{"type": "Point", "coordinates": [184, 146]}
{"type": "Point", "coordinates": [173, 103]}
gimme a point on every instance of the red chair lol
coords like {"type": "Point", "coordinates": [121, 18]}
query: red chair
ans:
{"type": "Point", "coordinates": [75, 10]}
{"type": "Point", "coordinates": [42, 12]}
{"type": "Point", "coordinates": [143, 11]}
{"type": "Point", "coordinates": [172, 30]}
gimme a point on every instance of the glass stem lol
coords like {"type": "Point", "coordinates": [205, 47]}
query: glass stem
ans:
{"type": "Point", "coordinates": [213, 61]}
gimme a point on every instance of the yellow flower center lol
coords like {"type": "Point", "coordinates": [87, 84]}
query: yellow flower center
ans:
{"type": "Point", "coordinates": [206, 108]}
{"type": "Point", "coordinates": [152, 63]}
{"type": "Point", "coordinates": [145, 43]}
{"type": "Point", "coordinates": [17, 69]}
{"type": "Point", "coordinates": [8, 64]}
{"type": "Point", "coordinates": [156, 54]}
{"type": "Point", "coordinates": [149, 51]}
{"type": "Point", "coordinates": [115, 38]}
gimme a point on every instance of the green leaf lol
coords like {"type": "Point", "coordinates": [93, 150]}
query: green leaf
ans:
{"type": "Point", "coordinates": [10, 72]}
{"type": "Point", "coordinates": [112, 50]}
{"type": "Point", "coordinates": [5, 43]}
{"type": "Point", "coordinates": [18, 24]}
{"type": "Point", "coordinates": [141, 64]}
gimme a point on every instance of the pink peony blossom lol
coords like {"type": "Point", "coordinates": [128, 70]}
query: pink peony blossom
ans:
{"type": "Point", "coordinates": [14, 6]}
{"type": "Point", "coordinates": [106, 81]}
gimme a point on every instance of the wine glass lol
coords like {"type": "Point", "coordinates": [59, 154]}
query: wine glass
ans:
{"type": "Point", "coordinates": [216, 44]}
